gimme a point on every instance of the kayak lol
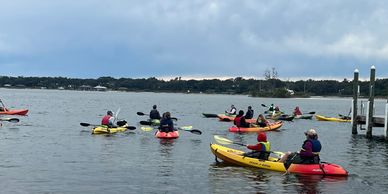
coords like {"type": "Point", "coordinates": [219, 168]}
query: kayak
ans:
{"type": "Point", "coordinates": [167, 135]}
{"type": "Point", "coordinates": [14, 112]}
{"type": "Point", "coordinates": [103, 129]}
{"type": "Point", "coordinates": [323, 118]}
{"type": "Point", "coordinates": [229, 118]}
{"type": "Point", "coordinates": [210, 115]}
{"type": "Point", "coordinates": [153, 122]}
{"type": "Point", "coordinates": [273, 126]}
{"type": "Point", "coordinates": [280, 117]}
{"type": "Point", "coordinates": [236, 157]}
{"type": "Point", "coordinates": [305, 116]}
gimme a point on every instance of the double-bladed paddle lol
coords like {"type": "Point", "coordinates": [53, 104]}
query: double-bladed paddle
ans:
{"type": "Point", "coordinates": [94, 125]}
{"type": "Point", "coordinates": [223, 140]}
{"type": "Point", "coordinates": [142, 114]}
{"type": "Point", "coordinates": [183, 128]}
{"type": "Point", "coordinates": [12, 120]}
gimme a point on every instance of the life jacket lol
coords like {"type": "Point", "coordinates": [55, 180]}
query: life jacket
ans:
{"type": "Point", "coordinates": [237, 121]}
{"type": "Point", "coordinates": [316, 145]}
{"type": "Point", "coordinates": [105, 120]}
{"type": "Point", "coordinates": [265, 146]}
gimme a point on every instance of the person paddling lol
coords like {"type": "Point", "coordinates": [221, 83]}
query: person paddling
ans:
{"type": "Point", "coordinates": [249, 113]}
{"type": "Point", "coordinates": [166, 123]}
{"type": "Point", "coordinates": [232, 110]}
{"type": "Point", "coordinates": [261, 121]}
{"type": "Point", "coordinates": [239, 121]}
{"type": "Point", "coordinates": [309, 154]}
{"type": "Point", "coordinates": [297, 111]}
{"type": "Point", "coordinates": [154, 113]}
{"type": "Point", "coordinates": [262, 149]}
{"type": "Point", "coordinates": [108, 119]}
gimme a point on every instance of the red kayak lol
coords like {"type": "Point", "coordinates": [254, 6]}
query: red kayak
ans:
{"type": "Point", "coordinates": [14, 112]}
{"type": "Point", "coordinates": [167, 135]}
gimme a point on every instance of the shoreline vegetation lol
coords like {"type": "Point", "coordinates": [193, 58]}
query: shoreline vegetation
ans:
{"type": "Point", "coordinates": [271, 87]}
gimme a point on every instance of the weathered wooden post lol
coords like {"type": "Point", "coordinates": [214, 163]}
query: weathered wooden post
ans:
{"type": "Point", "coordinates": [370, 106]}
{"type": "Point", "coordinates": [355, 99]}
{"type": "Point", "coordinates": [386, 122]}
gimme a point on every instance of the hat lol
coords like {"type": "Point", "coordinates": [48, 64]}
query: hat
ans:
{"type": "Point", "coordinates": [310, 132]}
{"type": "Point", "coordinates": [261, 137]}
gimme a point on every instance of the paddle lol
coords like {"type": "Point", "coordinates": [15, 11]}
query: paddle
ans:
{"type": "Point", "coordinates": [263, 105]}
{"type": "Point", "coordinates": [311, 113]}
{"type": "Point", "coordinates": [183, 128]}
{"type": "Point", "coordinates": [94, 125]}
{"type": "Point", "coordinates": [12, 120]}
{"type": "Point", "coordinates": [223, 140]}
{"type": "Point", "coordinates": [145, 122]}
{"type": "Point", "coordinates": [142, 114]}
{"type": "Point", "coordinates": [190, 129]}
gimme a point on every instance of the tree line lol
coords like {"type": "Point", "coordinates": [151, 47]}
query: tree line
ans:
{"type": "Point", "coordinates": [271, 86]}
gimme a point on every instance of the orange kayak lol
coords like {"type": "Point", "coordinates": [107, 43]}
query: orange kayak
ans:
{"type": "Point", "coordinates": [14, 112]}
{"type": "Point", "coordinates": [272, 126]}
{"type": "Point", "coordinates": [167, 135]}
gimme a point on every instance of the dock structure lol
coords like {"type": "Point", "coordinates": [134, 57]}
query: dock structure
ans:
{"type": "Point", "coordinates": [367, 118]}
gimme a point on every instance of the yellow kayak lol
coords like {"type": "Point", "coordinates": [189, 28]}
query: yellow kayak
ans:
{"type": "Point", "coordinates": [323, 118]}
{"type": "Point", "coordinates": [236, 157]}
{"type": "Point", "coordinates": [233, 156]}
{"type": "Point", "coordinates": [103, 129]}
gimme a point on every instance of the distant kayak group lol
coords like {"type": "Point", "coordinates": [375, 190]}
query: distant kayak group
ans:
{"type": "Point", "coordinates": [7, 111]}
{"type": "Point", "coordinates": [306, 161]}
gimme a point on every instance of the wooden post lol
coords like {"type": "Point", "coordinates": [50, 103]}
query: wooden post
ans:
{"type": "Point", "coordinates": [386, 122]}
{"type": "Point", "coordinates": [355, 99]}
{"type": "Point", "coordinates": [371, 101]}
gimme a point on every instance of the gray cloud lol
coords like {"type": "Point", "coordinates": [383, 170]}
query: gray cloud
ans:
{"type": "Point", "coordinates": [197, 38]}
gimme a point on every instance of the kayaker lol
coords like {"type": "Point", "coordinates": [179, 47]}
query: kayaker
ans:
{"type": "Point", "coordinates": [108, 119]}
{"type": "Point", "coordinates": [166, 124]}
{"type": "Point", "coordinates": [249, 113]}
{"type": "Point", "coordinates": [154, 113]}
{"type": "Point", "coordinates": [232, 110]}
{"type": "Point", "coordinates": [309, 154]}
{"type": "Point", "coordinates": [262, 149]}
{"type": "Point", "coordinates": [239, 121]}
{"type": "Point", "coordinates": [297, 111]}
{"type": "Point", "coordinates": [270, 109]}
{"type": "Point", "coordinates": [261, 121]}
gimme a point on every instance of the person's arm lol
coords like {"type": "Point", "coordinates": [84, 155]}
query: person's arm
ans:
{"type": "Point", "coordinates": [111, 120]}
{"type": "Point", "coordinates": [255, 147]}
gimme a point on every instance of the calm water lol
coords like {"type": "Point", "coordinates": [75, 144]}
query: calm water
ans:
{"type": "Point", "coordinates": [49, 152]}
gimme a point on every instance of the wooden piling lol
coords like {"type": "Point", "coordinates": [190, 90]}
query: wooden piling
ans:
{"type": "Point", "coordinates": [371, 102]}
{"type": "Point", "coordinates": [386, 122]}
{"type": "Point", "coordinates": [355, 99]}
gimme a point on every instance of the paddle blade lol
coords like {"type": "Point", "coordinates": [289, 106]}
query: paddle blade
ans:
{"type": "Point", "coordinates": [12, 120]}
{"type": "Point", "coordinates": [85, 124]}
{"type": "Point", "coordinates": [263, 105]}
{"type": "Point", "coordinates": [196, 131]}
{"type": "Point", "coordinates": [131, 127]}
{"type": "Point", "coordinates": [222, 140]}
{"type": "Point", "coordinates": [311, 113]}
{"type": "Point", "coordinates": [147, 128]}
{"type": "Point", "coordinates": [145, 122]}
{"type": "Point", "coordinates": [140, 113]}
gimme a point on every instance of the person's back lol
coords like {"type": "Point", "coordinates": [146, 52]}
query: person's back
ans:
{"type": "Point", "coordinates": [249, 113]}
{"type": "Point", "coordinates": [297, 111]}
{"type": "Point", "coordinates": [311, 148]}
{"type": "Point", "coordinates": [232, 110]}
{"type": "Point", "coordinates": [166, 123]}
{"type": "Point", "coordinates": [262, 149]}
{"type": "Point", "coordinates": [239, 121]}
{"type": "Point", "coordinates": [154, 113]}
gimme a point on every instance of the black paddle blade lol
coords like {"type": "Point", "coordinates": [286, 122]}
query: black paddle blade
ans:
{"type": "Point", "coordinates": [145, 122]}
{"type": "Point", "coordinates": [196, 131]}
{"type": "Point", "coordinates": [311, 113]}
{"type": "Point", "coordinates": [263, 105]}
{"type": "Point", "coordinates": [85, 124]}
{"type": "Point", "coordinates": [131, 127]}
{"type": "Point", "coordinates": [140, 113]}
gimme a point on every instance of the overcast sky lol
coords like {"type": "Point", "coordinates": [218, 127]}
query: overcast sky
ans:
{"type": "Point", "coordinates": [193, 38]}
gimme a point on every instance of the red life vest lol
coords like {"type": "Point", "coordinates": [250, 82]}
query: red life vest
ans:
{"type": "Point", "coordinates": [105, 120]}
{"type": "Point", "coordinates": [237, 121]}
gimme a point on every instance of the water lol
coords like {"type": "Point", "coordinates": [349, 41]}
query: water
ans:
{"type": "Point", "coordinates": [49, 152]}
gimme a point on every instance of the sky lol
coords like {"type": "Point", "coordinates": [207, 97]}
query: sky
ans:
{"type": "Point", "coordinates": [301, 39]}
